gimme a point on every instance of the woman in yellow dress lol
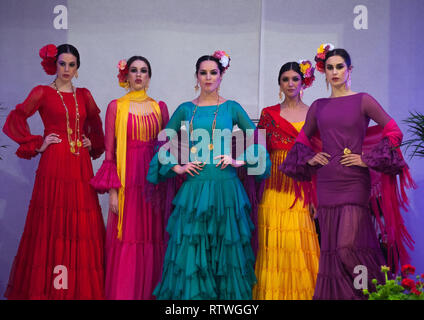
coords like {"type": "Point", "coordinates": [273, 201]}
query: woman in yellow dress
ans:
{"type": "Point", "coordinates": [288, 253]}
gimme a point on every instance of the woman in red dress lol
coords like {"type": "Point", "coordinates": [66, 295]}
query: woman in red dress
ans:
{"type": "Point", "coordinates": [60, 254]}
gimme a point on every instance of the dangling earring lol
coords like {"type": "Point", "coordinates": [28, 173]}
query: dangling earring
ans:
{"type": "Point", "coordinates": [76, 75]}
{"type": "Point", "coordinates": [348, 82]}
{"type": "Point", "coordinates": [301, 93]}
{"type": "Point", "coordinates": [280, 94]}
{"type": "Point", "coordinates": [326, 81]}
{"type": "Point", "coordinates": [196, 87]}
{"type": "Point", "coordinates": [127, 85]}
{"type": "Point", "coordinates": [146, 87]}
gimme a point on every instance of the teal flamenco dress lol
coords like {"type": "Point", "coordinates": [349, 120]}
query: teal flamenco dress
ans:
{"type": "Point", "coordinates": [209, 254]}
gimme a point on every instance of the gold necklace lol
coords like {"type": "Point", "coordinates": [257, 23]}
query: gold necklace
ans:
{"type": "Point", "coordinates": [193, 149]}
{"type": "Point", "coordinates": [74, 144]}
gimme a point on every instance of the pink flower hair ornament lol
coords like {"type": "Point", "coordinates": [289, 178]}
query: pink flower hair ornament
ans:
{"type": "Point", "coordinates": [48, 55]}
{"type": "Point", "coordinates": [224, 59]}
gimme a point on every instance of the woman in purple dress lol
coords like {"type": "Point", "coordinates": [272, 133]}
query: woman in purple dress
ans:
{"type": "Point", "coordinates": [348, 237]}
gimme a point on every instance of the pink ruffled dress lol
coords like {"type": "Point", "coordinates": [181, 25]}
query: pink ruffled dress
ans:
{"type": "Point", "coordinates": [133, 264]}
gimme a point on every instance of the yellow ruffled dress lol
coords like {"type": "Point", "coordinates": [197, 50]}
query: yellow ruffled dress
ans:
{"type": "Point", "coordinates": [287, 259]}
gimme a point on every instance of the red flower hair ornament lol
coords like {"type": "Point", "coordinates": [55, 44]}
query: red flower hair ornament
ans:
{"type": "Point", "coordinates": [122, 73]}
{"type": "Point", "coordinates": [48, 55]}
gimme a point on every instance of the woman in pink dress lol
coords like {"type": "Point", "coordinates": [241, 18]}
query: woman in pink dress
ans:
{"type": "Point", "coordinates": [135, 229]}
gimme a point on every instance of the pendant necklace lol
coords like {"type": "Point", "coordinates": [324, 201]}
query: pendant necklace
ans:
{"type": "Point", "coordinates": [193, 149]}
{"type": "Point", "coordinates": [74, 144]}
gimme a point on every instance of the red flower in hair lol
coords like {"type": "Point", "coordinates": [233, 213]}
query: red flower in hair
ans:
{"type": "Point", "coordinates": [307, 82]}
{"type": "Point", "coordinates": [123, 72]}
{"type": "Point", "coordinates": [48, 51]}
{"type": "Point", "coordinates": [48, 54]}
{"type": "Point", "coordinates": [49, 66]}
{"type": "Point", "coordinates": [320, 66]}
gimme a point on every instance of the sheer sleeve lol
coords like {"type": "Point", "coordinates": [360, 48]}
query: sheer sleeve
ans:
{"type": "Point", "coordinates": [107, 176]}
{"type": "Point", "coordinates": [372, 109]}
{"type": "Point", "coordinates": [93, 125]}
{"type": "Point", "coordinates": [385, 156]}
{"type": "Point", "coordinates": [16, 126]}
{"type": "Point", "coordinates": [164, 112]}
{"type": "Point", "coordinates": [110, 139]}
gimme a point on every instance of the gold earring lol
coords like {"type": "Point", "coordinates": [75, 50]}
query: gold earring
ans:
{"type": "Point", "coordinates": [326, 81]}
{"type": "Point", "coordinates": [196, 87]}
{"type": "Point", "coordinates": [280, 95]}
{"type": "Point", "coordinates": [301, 93]}
{"type": "Point", "coordinates": [76, 75]}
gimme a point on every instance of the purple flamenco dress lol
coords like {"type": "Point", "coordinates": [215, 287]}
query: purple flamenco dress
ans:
{"type": "Point", "coordinates": [348, 234]}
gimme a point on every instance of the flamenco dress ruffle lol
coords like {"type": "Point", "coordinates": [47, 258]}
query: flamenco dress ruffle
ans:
{"type": "Point", "coordinates": [64, 227]}
{"type": "Point", "coordinates": [211, 227]}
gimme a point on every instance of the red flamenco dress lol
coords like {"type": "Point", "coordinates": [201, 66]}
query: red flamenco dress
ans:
{"type": "Point", "coordinates": [64, 228]}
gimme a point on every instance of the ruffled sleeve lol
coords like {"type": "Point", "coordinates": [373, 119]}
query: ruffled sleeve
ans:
{"type": "Point", "coordinates": [93, 125]}
{"type": "Point", "coordinates": [255, 155]}
{"type": "Point", "coordinates": [296, 163]}
{"type": "Point", "coordinates": [107, 177]}
{"type": "Point", "coordinates": [16, 126]}
{"type": "Point", "coordinates": [384, 158]}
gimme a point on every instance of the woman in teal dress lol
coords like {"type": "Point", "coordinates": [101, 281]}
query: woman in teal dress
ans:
{"type": "Point", "coordinates": [209, 254]}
